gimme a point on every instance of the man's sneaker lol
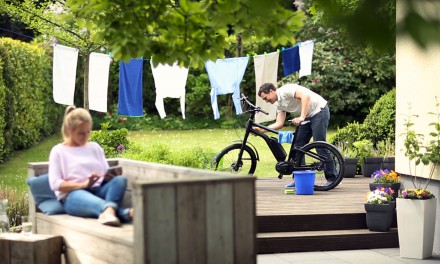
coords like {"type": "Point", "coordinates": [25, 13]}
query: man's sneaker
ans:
{"type": "Point", "coordinates": [290, 185]}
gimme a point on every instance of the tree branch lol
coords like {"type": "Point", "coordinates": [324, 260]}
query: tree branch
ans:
{"type": "Point", "coordinates": [53, 23]}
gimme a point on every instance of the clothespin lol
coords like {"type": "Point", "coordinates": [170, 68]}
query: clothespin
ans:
{"type": "Point", "coordinates": [265, 53]}
{"type": "Point", "coordinates": [282, 49]}
{"type": "Point", "coordinates": [278, 50]}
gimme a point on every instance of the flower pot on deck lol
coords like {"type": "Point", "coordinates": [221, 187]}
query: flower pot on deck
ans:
{"type": "Point", "coordinates": [350, 167]}
{"type": "Point", "coordinates": [388, 163]}
{"type": "Point", "coordinates": [416, 227]}
{"type": "Point", "coordinates": [371, 165]}
{"type": "Point", "coordinates": [379, 216]}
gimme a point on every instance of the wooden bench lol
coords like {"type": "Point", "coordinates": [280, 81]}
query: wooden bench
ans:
{"type": "Point", "coordinates": [182, 215]}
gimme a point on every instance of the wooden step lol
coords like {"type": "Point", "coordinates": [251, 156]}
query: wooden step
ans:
{"type": "Point", "coordinates": [283, 242]}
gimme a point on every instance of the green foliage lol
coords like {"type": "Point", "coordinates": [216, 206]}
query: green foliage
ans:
{"type": "Point", "coordinates": [365, 22]}
{"type": "Point", "coordinates": [346, 136]}
{"type": "Point", "coordinates": [18, 204]}
{"type": "Point", "coordinates": [2, 111]}
{"type": "Point", "coordinates": [114, 142]}
{"type": "Point", "coordinates": [29, 113]}
{"type": "Point", "coordinates": [196, 157]}
{"type": "Point", "coordinates": [184, 30]}
{"type": "Point", "coordinates": [419, 152]}
{"type": "Point", "coordinates": [363, 149]}
{"type": "Point", "coordinates": [381, 120]}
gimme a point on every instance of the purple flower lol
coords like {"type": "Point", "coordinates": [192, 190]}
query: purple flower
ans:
{"type": "Point", "coordinates": [120, 148]}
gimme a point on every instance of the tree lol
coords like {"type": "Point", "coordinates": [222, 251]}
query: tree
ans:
{"type": "Point", "coordinates": [56, 24]}
{"type": "Point", "coordinates": [185, 30]}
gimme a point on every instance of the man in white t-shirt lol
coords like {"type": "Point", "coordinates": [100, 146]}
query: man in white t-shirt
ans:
{"type": "Point", "coordinates": [306, 105]}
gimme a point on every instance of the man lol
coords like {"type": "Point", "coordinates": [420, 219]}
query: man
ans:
{"type": "Point", "coordinates": [304, 103]}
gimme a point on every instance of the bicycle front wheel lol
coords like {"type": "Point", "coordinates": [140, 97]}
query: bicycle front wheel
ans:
{"type": "Point", "coordinates": [227, 160]}
{"type": "Point", "coordinates": [326, 160]}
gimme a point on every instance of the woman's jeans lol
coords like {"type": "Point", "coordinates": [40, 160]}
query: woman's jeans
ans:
{"type": "Point", "coordinates": [317, 128]}
{"type": "Point", "coordinates": [92, 202]}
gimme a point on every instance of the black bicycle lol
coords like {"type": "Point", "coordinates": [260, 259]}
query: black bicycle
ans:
{"type": "Point", "coordinates": [241, 157]}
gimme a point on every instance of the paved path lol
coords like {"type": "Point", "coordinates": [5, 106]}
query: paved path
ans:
{"type": "Point", "coordinates": [365, 256]}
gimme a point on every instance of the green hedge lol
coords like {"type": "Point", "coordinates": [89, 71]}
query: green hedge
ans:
{"type": "Point", "coordinates": [28, 110]}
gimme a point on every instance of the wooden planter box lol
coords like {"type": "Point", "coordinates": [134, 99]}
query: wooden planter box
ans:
{"type": "Point", "coordinates": [182, 215]}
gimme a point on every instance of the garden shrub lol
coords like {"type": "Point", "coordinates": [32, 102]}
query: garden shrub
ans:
{"type": "Point", "coordinates": [2, 111]}
{"type": "Point", "coordinates": [347, 135]}
{"type": "Point", "coordinates": [381, 120]}
{"type": "Point", "coordinates": [114, 142]}
{"type": "Point", "coordinates": [29, 112]}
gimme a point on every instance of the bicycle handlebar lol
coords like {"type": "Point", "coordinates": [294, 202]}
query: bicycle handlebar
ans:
{"type": "Point", "coordinates": [252, 106]}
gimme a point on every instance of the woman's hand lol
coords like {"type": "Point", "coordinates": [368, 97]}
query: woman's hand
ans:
{"type": "Point", "coordinates": [91, 181]}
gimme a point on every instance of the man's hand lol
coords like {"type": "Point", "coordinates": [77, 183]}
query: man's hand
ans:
{"type": "Point", "coordinates": [259, 129]}
{"type": "Point", "coordinates": [297, 121]}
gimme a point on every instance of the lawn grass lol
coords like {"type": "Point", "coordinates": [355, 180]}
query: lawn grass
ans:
{"type": "Point", "coordinates": [14, 172]}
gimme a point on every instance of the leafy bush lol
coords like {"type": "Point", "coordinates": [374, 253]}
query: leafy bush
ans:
{"type": "Point", "coordinates": [111, 140]}
{"type": "Point", "coordinates": [29, 113]}
{"type": "Point", "coordinates": [381, 120]}
{"type": "Point", "coordinates": [347, 135]}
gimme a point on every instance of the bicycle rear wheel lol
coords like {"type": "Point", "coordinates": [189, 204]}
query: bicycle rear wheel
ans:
{"type": "Point", "coordinates": [326, 160]}
{"type": "Point", "coordinates": [228, 158]}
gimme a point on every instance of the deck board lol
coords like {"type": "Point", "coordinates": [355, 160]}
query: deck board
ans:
{"type": "Point", "coordinates": [348, 197]}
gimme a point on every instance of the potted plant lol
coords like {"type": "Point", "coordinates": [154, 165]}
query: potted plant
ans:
{"type": "Point", "coordinates": [369, 157]}
{"type": "Point", "coordinates": [379, 208]}
{"type": "Point", "coordinates": [386, 149]}
{"type": "Point", "coordinates": [416, 207]}
{"type": "Point", "coordinates": [350, 159]}
{"type": "Point", "coordinates": [386, 178]}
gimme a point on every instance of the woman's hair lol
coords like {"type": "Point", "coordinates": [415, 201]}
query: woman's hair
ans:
{"type": "Point", "coordinates": [74, 117]}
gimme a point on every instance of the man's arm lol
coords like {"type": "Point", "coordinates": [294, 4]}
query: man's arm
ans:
{"type": "Point", "coordinates": [305, 104]}
{"type": "Point", "coordinates": [279, 122]}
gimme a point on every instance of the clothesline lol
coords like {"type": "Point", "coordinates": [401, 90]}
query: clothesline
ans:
{"type": "Point", "coordinates": [10, 31]}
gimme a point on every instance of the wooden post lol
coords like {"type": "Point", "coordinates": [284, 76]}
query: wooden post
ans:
{"type": "Point", "coordinates": [86, 81]}
{"type": "Point", "coordinates": [32, 249]}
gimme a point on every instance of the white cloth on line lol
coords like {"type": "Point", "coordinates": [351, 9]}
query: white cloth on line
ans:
{"type": "Point", "coordinates": [170, 81]}
{"type": "Point", "coordinates": [306, 56]}
{"type": "Point", "coordinates": [99, 68]}
{"type": "Point", "coordinates": [65, 61]}
{"type": "Point", "coordinates": [266, 71]}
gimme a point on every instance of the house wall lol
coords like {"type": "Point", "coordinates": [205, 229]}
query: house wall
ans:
{"type": "Point", "coordinates": [417, 86]}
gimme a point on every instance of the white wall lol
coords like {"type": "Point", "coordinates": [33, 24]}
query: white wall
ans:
{"type": "Point", "coordinates": [417, 84]}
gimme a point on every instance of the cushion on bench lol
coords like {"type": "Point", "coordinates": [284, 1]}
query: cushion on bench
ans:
{"type": "Point", "coordinates": [44, 197]}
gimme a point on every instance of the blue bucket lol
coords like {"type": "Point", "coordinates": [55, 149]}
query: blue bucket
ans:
{"type": "Point", "coordinates": [304, 181]}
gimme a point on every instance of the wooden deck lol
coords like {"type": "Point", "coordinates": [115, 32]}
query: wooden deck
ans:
{"type": "Point", "coordinates": [347, 197]}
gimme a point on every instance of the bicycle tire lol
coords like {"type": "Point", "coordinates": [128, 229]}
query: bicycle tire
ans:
{"type": "Point", "coordinates": [227, 158]}
{"type": "Point", "coordinates": [323, 181]}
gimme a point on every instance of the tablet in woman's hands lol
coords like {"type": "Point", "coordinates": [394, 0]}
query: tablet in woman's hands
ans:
{"type": "Point", "coordinates": [113, 172]}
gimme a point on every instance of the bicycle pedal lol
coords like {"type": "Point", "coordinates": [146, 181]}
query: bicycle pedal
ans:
{"type": "Point", "coordinates": [280, 176]}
